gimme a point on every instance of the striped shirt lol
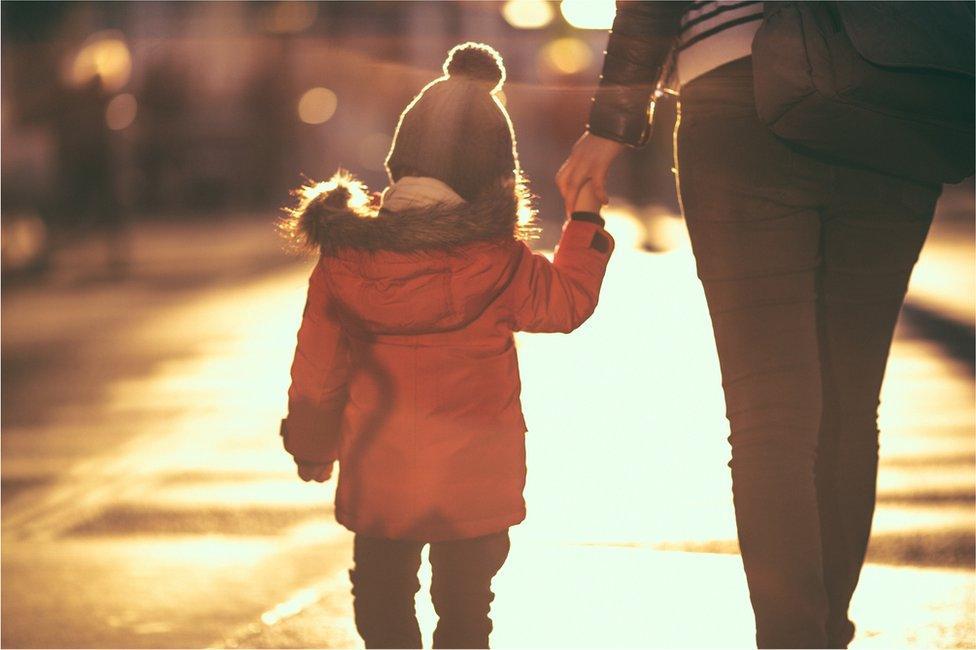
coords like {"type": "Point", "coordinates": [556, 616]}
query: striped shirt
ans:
{"type": "Point", "coordinates": [714, 33]}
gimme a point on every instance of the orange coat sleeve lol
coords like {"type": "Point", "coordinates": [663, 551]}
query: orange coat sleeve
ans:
{"type": "Point", "coordinates": [319, 378]}
{"type": "Point", "coordinates": [559, 296]}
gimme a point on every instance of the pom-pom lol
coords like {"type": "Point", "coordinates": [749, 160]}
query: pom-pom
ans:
{"type": "Point", "coordinates": [476, 62]}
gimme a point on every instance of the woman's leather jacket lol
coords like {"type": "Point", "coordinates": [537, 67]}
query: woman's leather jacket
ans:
{"type": "Point", "coordinates": [641, 39]}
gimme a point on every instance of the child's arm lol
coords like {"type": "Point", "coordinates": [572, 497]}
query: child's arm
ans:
{"type": "Point", "coordinates": [559, 296]}
{"type": "Point", "coordinates": [319, 376]}
{"type": "Point", "coordinates": [587, 200]}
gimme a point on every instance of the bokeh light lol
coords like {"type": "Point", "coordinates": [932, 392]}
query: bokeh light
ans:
{"type": "Point", "coordinates": [23, 240]}
{"type": "Point", "coordinates": [588, 14]}
{"type": "Point", "coordinates": [528, 14]}
{"type": "Point", "coordinates": [373, 150]}
{"type": "Point", "coordinates": [121, 111]}
{"type": "Point", "coordinates": [567, 55]}
{"type": "Point", "coordinates": [317, 105]}
{"type": "Point", "coordinates": [105, 56]}
{"type": "Point", "coordinates": [290, 17]}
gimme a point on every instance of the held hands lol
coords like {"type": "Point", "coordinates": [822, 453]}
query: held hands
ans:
{"type": "Point", "coordinates": [320, 473]}
{"type": "Point", "coordinates": [589, 161]}
{"type": "Point", "coordinates": [587, 200]}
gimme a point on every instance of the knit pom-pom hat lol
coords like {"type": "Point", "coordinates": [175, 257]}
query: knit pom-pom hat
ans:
{"type": "Point", "coordinates": [456, 130]}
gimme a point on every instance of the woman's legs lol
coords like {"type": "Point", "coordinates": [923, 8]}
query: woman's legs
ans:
{"type": "Point", "coordinates": [461, 588]}
{"type": "Point", "coordinates": [755, 232]}
{"type": "Point", "coordinates": [873, 232]}
{"type": "Point", "coordinates": [804, 267]}
{"type": "Point", "coordinates": [760, 283]}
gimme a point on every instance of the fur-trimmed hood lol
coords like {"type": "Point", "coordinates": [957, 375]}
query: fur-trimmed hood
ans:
{"type": "Point", "coordinates": [341, 214]}
{"type": "Point", "coordinates": [422, 269]}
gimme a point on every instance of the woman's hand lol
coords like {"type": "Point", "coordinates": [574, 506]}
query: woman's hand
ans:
{"type": "Point", "coordinates": [314, 471]}
{"type": "Point", "coordinates": [590, 161]}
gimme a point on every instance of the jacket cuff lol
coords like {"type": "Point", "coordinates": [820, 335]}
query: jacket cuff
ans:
{"type": "Point", "coordinates": [622, 114]}
{"type": "Point", "coordinates": [586, 234]}
{"type": "Point", "coordinates": [589, 217]}
{"type": "Point", "coordinates": [306, 450]}
{"type": "Point", "coordinates": [302, 461]}
{"type": "Point", "coordinates": [610, 135]}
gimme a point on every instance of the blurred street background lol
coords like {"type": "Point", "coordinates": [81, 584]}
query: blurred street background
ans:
{"type": "Point", "coordinates": [149, 315]}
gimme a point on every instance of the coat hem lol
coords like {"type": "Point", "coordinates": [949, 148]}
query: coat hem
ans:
{"type": "Point", "coordinates": [427, 533]}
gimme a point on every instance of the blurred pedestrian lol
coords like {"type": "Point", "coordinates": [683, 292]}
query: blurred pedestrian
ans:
{"type": "Point", "coordinates": [88, 195]}
{"type": "Point", "coordinates": [805, 226]}
{"type": "Point", "coordinates": [405, 369]}
{"type": "Point", "coordinates": [160, 147]}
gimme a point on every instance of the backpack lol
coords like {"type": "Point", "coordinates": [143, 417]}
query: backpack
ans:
{"type": "Point", "coordinates": [883, 85]}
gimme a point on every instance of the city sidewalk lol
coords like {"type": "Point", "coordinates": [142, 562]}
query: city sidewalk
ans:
{"type": "Point", "coordinates": [161, 512]}
{"type": "Point", "coordinates": [944, 281]}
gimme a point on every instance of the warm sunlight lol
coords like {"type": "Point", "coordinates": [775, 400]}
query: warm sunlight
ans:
{"type": "Point", "coordinates": [527, 324]}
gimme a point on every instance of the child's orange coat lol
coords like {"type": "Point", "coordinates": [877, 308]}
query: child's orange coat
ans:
{"type": "Point", "coordinates": [406, 372]}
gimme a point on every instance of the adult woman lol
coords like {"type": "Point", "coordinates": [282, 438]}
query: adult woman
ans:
{"type": "Point", "coordinates": [805, 264]}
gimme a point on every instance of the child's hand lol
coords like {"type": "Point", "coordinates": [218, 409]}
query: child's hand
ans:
{"type": "Point", "coordinates": [587, 200]}
{"type": "Point", "coordinates": [314, 471]}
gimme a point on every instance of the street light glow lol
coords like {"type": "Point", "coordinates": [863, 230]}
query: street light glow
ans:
{"type": "Point", "coordinates": [567, 55]}
{"type": "Point", "coordinates": [588, 14]}
{"type": "Point", "coordinates": [317, 105]}
{"type": "Point", "coordinates": [527, 14]}
{"type": "Point", "coordinates": [105, 56]}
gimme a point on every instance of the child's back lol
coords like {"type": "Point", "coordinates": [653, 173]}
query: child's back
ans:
{"type": "Point", "coordinates": [405, 370]}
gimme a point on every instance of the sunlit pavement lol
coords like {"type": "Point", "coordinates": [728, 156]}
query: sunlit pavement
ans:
{"type": "Point", "coordinates": [147, 502]}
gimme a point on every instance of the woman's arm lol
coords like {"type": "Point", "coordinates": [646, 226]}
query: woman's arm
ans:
{"type": "Point", "coordinates": [637, 49]}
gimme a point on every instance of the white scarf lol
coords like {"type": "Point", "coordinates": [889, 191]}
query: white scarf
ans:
{"type": "Point", "coordinates": [411, 192]}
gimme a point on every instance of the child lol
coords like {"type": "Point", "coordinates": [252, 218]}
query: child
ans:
{"type": "Point", "coordinates": [405, 370]}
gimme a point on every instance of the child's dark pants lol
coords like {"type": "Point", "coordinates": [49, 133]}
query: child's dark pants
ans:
{"type": "Point", "coordinates": [384, 583]}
